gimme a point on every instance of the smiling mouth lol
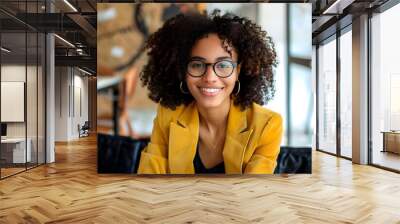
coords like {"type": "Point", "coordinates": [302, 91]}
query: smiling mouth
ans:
{"type": "Point", "coordinates": [210, 91]}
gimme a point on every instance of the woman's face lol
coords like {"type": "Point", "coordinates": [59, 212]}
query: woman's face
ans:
{"type": "Point", "coordinates": [210, 90]}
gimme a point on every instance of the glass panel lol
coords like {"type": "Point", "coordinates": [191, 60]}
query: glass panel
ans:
{"type": "Point", "coordinates": [346, 94]}
{"type": "Point", "coordinates": [22, 63]}
{"type": "Point", "coordinates": [13, 86]}
{"type": "Point", "coordinates": [327, 97]}
{"type": "Point", "coordinates": [385, 86]}
{"type": "Point", "coordinates": [31, 85]}
{"type": "Point", "coordinates": [31, 98]}
{"type": "Point", "coordinates": [41, 98]}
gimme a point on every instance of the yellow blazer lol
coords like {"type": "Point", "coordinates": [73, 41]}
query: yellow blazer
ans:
{"type": "Point", "coordinates": [252, 142]}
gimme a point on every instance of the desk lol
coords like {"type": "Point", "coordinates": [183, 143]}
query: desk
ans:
{"type": "Point", "coordinates": [391, 141]}
{"type": "Point", "coordinates": [16, 148]}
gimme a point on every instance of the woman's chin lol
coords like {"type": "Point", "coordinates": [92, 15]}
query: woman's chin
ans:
{"type": "Point", "coordinates": [210, 102]}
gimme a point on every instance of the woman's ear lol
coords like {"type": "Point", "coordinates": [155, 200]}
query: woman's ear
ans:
{"type": "Point", "coordinates": [238, 69]}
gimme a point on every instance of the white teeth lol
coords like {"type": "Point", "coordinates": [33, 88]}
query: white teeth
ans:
{"type": "Point", "coordinates": [210, 90]}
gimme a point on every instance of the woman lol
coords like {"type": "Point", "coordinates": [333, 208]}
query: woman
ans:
{"type": "Point", "coordinates": [210, 75]}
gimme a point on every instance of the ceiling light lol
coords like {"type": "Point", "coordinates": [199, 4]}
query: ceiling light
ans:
{"type": "Point", "coordinates": [5, 49]}
{"type": "Point", "coordinates": [337, 7]}
{"type": "Point", "coordinates": [70, 5]}
{"type": "Point", "coordinates": [86, 72]}
{"type": "Point", "coordinates": [64, 40]}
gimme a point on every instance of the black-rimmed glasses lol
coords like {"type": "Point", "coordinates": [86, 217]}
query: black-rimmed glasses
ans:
{"type": "Point", "coordinates": [222, 69]}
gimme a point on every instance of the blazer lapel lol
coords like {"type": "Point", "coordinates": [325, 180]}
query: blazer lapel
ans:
{"type": "Point", "coordinates": [183, 137]}
{"type": "Point", "coordinates": [237, 138]}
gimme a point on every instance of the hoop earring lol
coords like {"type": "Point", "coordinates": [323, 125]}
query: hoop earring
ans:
{"type": "Point", "coordinates": [237, 92]}
{"type": "Point", "coordinates": [180, 86]}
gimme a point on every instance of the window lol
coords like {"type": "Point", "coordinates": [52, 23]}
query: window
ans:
{"type": "Point", "coordinates": [327, 96]}
{"type": "Point", "coordinates": [346, 94]}
{"type": "Point", "coordinates": [385, 89]}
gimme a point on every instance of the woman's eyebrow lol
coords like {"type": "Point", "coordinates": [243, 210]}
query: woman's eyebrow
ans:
{"type": "Point", "coordinates": [203, 59]}
{"type": "Point", "coordinates": [197, 58]}
{"type": "Point", "coordinates": [223, 58]}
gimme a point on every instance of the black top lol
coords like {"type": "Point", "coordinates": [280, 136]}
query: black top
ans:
{"type": "Point", "coordinates": [200, 168]}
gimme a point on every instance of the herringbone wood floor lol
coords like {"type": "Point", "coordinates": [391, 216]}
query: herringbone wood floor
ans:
{"type": "Point", "coordinates": [70, 191]}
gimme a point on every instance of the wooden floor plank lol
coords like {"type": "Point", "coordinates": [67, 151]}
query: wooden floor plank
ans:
{"type": "Point", "coordinates": [71, 191]}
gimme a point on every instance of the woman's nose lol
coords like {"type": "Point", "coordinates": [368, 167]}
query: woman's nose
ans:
{"type": "Point", "coordinates": [210, 75]}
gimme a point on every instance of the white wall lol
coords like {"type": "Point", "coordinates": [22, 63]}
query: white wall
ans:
{"type": "Point", "coordinates": [13, 73]}
{"type": "Point", "coordinates": [61, 103]}
{"type": "Point", "coordinates": [33, 126]}
{"type": "Point", "coordinates": [80, 100]}
{"type": "Point", "coordinates": [71, 93]}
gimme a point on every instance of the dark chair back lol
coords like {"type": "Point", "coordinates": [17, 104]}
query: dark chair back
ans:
{"type": "Point", "coordinates": [118, 154]}
{"type": "Point", "coordinates": [294, 160]}
{"type": "Point", "coordinates": [86, 125]}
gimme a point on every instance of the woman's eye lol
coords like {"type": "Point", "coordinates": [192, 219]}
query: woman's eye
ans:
{"type": "Point", "coordinates": [224, 65]}
{"type": "Point", "coordinates": [196, 65]}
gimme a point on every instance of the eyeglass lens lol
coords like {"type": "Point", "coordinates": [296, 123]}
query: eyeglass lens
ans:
{"type": "Point", "coordinates": [221, 68]}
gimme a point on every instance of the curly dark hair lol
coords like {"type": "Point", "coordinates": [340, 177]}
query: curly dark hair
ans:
{"type": "Point", "coordinates": [169, 52]}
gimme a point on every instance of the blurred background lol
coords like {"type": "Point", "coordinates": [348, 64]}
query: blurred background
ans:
{"type": "Point", "coordinates": [123, 107]}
